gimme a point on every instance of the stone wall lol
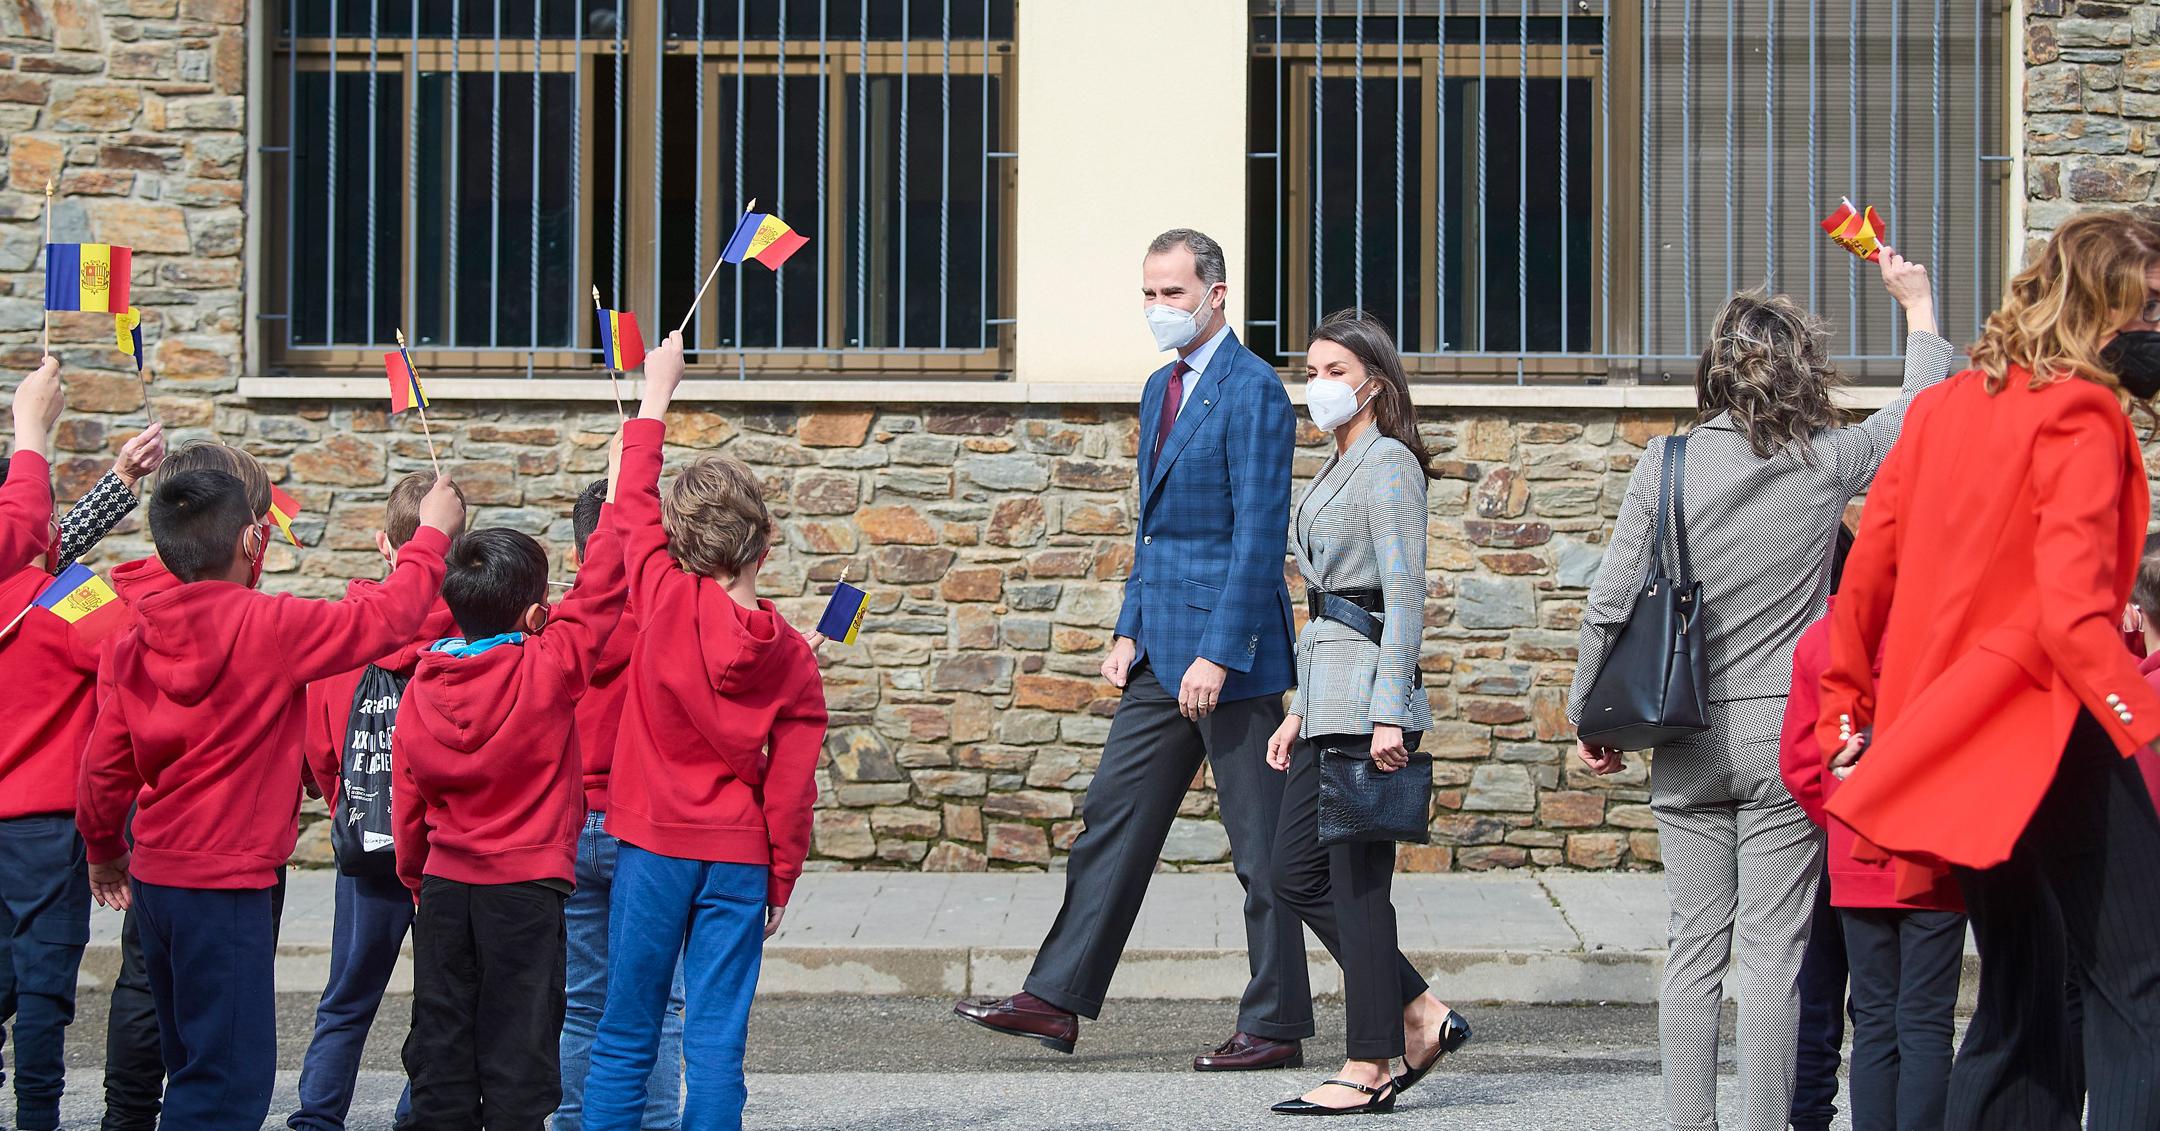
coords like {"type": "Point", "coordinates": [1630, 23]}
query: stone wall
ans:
{"type": "Point", "coordinates": [2092, 104]}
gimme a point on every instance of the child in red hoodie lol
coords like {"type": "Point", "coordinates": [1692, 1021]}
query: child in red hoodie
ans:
{"type": "Point", "coordinates": [198, 725]}
{"type": "Point", "coordinates": [350, 719]}
{"type": "Point", "coordinates": [1903, 956]}
{"type": "Point", "coordinates": [487, 803]}
{"type": "Point", "coordinates": [713, 779]}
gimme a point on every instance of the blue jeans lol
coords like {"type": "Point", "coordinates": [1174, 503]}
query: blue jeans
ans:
{"type": "Point", "coordinates": [712, 915]}
{"type": "Point", "coordinates": [587, 918]}
{"type": "Point", "coordinates": [373, 914]}
{"type": "Point", "coordinates": [44, 925]}
{"type": "Point", "coordinates": [211, 955]}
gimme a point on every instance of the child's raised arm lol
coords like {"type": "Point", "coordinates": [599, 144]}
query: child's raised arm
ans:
{"type": "Point", "coordinates": [579, 625]}
{"type": "Point", "coordinates": [323, 638]}
{"type": "Point", "coordinates": [26, 500]}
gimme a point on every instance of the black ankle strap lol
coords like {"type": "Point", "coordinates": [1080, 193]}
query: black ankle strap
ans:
{"type": "Point", "coordinates": [1367, 1089]}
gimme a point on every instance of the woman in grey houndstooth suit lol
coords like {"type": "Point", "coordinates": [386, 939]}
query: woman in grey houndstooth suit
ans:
{"type": "Point", "coordinates": [1360, 538]}
{"type": "Point", "coordinates": [1768, 473]}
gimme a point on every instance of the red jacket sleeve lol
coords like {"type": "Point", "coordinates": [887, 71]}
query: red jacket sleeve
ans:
{"type": "Point", "coordinates": [1862, 611]}
{"type": "Point", "coordinates": [408, 820]}
{"type": "Point", "coordinates": [26, 506]}
{"type": "Point", "coordinates": [790, 785]}
{"type": "Point", "coordinates": [2078, 467]}
{"type": "Point", "coordinates": [108, 781]}
{"type": "Point", "coordinates": [580, 624]}
{"type": "Point", "coordinates": [1800, 757]}
{"type": "Point", "coordinates": [323, 638]}
{"type": "Point", "coordinates": [646, 561]}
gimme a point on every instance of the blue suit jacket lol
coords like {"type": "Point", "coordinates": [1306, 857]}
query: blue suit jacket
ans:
{"type": "Point", "coordinates": [1207, 575]}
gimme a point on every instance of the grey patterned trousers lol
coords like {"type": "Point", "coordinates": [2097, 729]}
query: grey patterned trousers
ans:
{"type": "Point", "coordinates": [1741, 865]}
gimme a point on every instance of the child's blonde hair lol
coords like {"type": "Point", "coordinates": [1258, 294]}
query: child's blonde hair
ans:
{"type": "Point", "coordinates": [716, 520]}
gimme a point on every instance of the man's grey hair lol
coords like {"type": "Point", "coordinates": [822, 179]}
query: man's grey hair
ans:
{"type": "Point", "coordinates": [1207, 255]}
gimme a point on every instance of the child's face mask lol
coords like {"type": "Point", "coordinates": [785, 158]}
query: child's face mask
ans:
{"type": "Point", "coordinates": [257, 549]}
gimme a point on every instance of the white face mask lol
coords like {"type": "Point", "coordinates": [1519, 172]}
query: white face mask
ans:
{"type": "Point", "coordinates": [1174, 326]}
{"type": "Point", "coordinates": [1332, 402]}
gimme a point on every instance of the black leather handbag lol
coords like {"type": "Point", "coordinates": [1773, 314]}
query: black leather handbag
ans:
{"type": "Point", "coordinates": [1361, 804]}
{"type": "Point", "coordinates": [1655, 684]}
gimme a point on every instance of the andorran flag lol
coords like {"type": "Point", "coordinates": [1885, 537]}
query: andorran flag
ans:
{"type": "Point", "coordinates": [127, 334]}
{"type": "Point", "coordinates": [844, 613]}
{"type": "Point", "coordinates": [87, 276]}
{"type": "Point", "coordinates": [283, 509]}
{"type": "Point", "coordinates": [1857, 230]}
{"type": "Point", "coordinates": [405, 390]}
{"type": "Point", "coordinates": [82, 599]}
{"type": "Point", "coordinates": [620, 341]}
{"type": "Point", "coordinates": [763, 237]}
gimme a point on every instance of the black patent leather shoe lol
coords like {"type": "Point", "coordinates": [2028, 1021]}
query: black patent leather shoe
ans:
{"type": "Point", "coordinates": [1454, 1034]}
{"type": "Point", "coordinates": [1380, 1101]}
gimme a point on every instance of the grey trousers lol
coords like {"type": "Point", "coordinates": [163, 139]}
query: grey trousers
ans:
{"type": "Point", "coordinates": [1148, 763]}
{"type": "Point", "coordinates": [1741, 865]}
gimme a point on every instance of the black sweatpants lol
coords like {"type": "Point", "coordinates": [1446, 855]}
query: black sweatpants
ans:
{"type": "Point", "coordinates": [2080, 885]}
{"type": "Point", "coordinates": [1342, 892]}
{"type": "Point", "coordinates": [488, 996]}
{"type": "Point", "coordinates": [1905, 967]}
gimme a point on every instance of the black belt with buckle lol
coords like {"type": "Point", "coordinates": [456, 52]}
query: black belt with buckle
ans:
{"type": "Point", "coordinates": [1352, 608]}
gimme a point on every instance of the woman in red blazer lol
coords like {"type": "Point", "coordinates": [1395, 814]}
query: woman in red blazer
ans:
{"type": "Point", "coordinates": [1995, 555]}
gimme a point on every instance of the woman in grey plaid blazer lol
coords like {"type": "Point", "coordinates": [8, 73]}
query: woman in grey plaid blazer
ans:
{"type": "Point", "coordinates": [1768, 473]}
{"type": "Point", "coordinates": [1360, 537]}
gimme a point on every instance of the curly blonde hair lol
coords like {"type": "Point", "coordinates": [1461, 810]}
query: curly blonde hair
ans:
{"type": "Point", "coordinates": [1768, 365]}
{"type": "Point", "coordinates": [2087, 282]}
{"type": "Point", "coordinates": [716, 520]}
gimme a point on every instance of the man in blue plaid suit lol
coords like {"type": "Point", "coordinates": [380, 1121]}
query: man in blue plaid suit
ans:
{"type": "Point", "coordinates": [1203, 653]}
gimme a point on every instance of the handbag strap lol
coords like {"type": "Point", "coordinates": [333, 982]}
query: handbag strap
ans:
{"type": "Point", "coordinates": [1676, 456]}
{"type": "Point", "coordinates": [1668, 488]}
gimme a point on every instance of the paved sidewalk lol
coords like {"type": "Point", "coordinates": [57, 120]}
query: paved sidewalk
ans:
{"type": "Point", "coordinates": [1509, 936]}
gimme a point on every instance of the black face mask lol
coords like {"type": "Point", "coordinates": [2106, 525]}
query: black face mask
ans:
{"type": "Point", "coordinates": [2134, 355]}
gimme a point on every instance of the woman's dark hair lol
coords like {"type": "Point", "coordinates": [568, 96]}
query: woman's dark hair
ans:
{"type": "Point", "coordinates": [1369, 341]}
{"type": "Point", "coordinates": [1768, 364]}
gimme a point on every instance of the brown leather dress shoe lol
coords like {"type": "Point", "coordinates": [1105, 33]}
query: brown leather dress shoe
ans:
{"type": "Point", "coordinates": [1022, 1015]}
{"type": "Point", "coordinates": [1244, 1052]}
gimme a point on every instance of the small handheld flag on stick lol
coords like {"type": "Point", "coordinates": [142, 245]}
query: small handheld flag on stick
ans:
{"type": "Point", "coordinates": [707, 284]}
{"type": "Point", "coordinates": [283, 509]}
{"type": "Point", "coordinates": [844, 613]}
{"type": "Point", "coordinates": [405, 392]}
{"type": "Point", "coordinates": [607, 352]}
{"type": "Point", "coordinates": [81, 598]}
{"type": "Point", "coordinates": [1857, 230]}
{"type": "Point", "coordinates": [127, 334]}
{"type": "Point", "coordinates": [763, 237]}
{"type": "Point", "coordinates": [46, 328]}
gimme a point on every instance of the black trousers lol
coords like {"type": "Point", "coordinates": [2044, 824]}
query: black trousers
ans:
{"type": "Point", "coordinates": [1822, 1017]}
{"type": "Point", "coordinates": [2080, 885]}
{"type": "Point", "coordinates": [134, 1051]}
{"type": "Point", "coordinates": [1341, 892]}
{"type": "Point", "coordinates": [488, 996]}
{"type": "Point", "coordinates": [1147, 764]}
{"type": "Point", "coordinates": [1905, 967]}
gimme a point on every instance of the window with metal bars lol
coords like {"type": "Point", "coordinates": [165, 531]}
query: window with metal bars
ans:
{"type": "Point", "coordinates": [468, 170]}
{"type": "Point", "coordinates": [1568, 190]}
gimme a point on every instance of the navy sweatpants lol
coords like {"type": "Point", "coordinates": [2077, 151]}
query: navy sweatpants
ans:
{"type": "Point", "coordinates": [44, 925]}
{"type": "Point", "coordinates": [211, 956]}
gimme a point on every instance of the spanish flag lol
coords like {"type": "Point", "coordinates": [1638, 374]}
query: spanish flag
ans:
{"type": "Point", "coordinates": [1859, 231]}
{"type": "Point", "coordinates": [405, 390]}
{"type": "Point", "coordinates": [844, 613]}
{"type": "Point", "coordinates": [283, 509]}
{"type": "Point", "coordinates": [763, 237]}
{"type": "Point", "coordinates": [82, 599]}
{"type": "Point", "coordinates": [87, 276]}
{"type": "Point", "coordinates": [620, 341]}
{"type": "Point", "coordinates": [127, 333]}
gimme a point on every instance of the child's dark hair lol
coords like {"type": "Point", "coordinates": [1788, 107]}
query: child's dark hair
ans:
{"type": "Point", "coordinates": [494, 576]}
{"type": "Point", "coordinates": [195, 519]}
{"type": "Point", "coordinates": [2145, 592]}
{"type": "Point", "coordinates": [585, 513]}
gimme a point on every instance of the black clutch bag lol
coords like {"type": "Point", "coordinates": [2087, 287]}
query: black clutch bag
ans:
{"type": "Point", "coordinates": [1656, 679]}
{"type": "Point", "coordinates": [1359, 803]}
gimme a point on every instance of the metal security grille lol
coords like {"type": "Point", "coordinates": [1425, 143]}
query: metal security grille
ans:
{"type": "Point", "coordinates": [468, 170]}
{"type": "Point", "coordinates": [1569, 189]}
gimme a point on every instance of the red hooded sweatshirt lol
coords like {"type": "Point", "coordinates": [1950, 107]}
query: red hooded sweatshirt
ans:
{"type": "Point", "coordinates": [329, 701]}
{"type": "Point", "coordinates": [199, 716]}
{"type": "Point", "coordinates": [599, 713]}
{"type": "Point", "coordinates": [26, 506]}
{"type": "Point", "coordinates": [484, 765]}
{"type": "Point", "coordinates": [1805, 766]}
{"type": "Point", "coordinates": [720, 737]}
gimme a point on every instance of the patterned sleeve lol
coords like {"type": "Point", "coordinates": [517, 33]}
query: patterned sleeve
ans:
{"type": "Point", "coordinates": [93, 516]}
{"type": "Point", "coordinates": [1395, 519]}
{"type": "Point", "coordinates": [1862, 447]}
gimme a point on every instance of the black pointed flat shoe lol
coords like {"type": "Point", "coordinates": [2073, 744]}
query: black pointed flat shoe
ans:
{"type": "Point", "coordinates": [1454, 1034]}
{"type": "Point", "coordinates": [1382, 1101]}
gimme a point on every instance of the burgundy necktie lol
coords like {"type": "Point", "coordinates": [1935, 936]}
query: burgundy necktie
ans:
{"type": "Point", "coordinates": [1173, 397]}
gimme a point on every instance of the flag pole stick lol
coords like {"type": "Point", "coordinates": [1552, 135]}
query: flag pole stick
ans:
{"type": "Point", "coordinates": [420, 404]}
{"type": "Point", "coordinates": [609, 359]}
{"type": "Point", "coordinates": [709, 277]}
{"type": "Point", "coordinates": [46, 318]}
